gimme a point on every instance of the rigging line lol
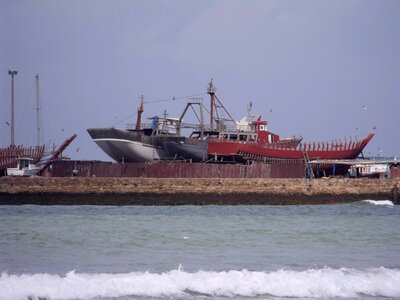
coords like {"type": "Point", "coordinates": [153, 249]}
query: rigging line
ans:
{"type": "Point", "coordinates": [51, 123]}
{"type": "Point", "coordinates": [21, 117]}
{"type": "Point", "coordinates": [160, 100]}
{"type": "Point", "coordinates": [130, 116]}
{"type": "Point", "coordinates": [195, 113]}
{"type": "Point", "coordinates": [205, 108]}
{"type": "Point", "coordinates": [225, 109]}
{"type": "Point", "coordinates": [44, 105]}
{"type": "Point", "coordinates": [173, 98]}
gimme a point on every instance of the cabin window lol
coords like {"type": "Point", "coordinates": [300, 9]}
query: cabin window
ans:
{"type": "Point", "coordinates": [24, 163]}
{"type": "Point", "coordinates": [262, 127]}
{"type": "Point", "coordinates": [269, 138]}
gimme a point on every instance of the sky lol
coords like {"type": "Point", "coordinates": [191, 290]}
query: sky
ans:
{"type": "Point", "coordinates": [320, 69]}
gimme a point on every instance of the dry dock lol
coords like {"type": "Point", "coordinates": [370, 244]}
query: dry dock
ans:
{"type": "Point", "coordinates": [180, 191]}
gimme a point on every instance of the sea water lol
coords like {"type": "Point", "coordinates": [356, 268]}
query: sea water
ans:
{"type": "Point", "coordinates": [349, 251]}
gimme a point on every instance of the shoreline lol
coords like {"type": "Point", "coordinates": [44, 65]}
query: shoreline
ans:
{"type": "Point", "coordinates": [192, 191]}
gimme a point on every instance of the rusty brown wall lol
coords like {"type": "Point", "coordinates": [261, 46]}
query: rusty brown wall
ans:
{"type": "Point", "coordinates": [176, 170]}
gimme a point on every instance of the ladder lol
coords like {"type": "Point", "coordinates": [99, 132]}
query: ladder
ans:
{"type": "Point", "coordinates": [308, 169]}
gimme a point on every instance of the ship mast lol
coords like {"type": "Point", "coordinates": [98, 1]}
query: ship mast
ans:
{"type": "Point", "coordinates": [37, 110]}
{"type": "Point", "coordinates": [217, 108]}
{"type": "Point", "coordinates": [139, 114]}
{"type": "Point", "coordinates": [211, 91]}
{"type": "Point", "coordinates": [12, 73]}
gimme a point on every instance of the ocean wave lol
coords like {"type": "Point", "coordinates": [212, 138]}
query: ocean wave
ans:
{"type": "Point", "coordinates": [379, 202]}
{"type": "Point", "coordinates": [314, 283]}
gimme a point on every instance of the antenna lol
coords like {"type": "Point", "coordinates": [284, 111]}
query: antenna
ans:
{"type": "Point", "coordinates": [249, 107]}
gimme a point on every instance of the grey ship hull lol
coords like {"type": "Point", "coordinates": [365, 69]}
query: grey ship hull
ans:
{"type": "Point", "coordinates": [196, 151]}
{"type": "Point", "coordinates": [124, 145]}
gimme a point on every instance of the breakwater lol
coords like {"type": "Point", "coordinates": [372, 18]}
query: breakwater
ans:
{"type": "Point", "coordinates": [189, 191]}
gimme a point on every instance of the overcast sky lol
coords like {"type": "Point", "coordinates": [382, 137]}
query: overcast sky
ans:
{"type": "Point", "coordinates": [327, 69]}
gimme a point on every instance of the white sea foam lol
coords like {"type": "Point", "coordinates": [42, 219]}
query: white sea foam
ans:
{"type": "Point", "coordinates": [379, 202]}
{"type": "Point", "coordinates": [315, 283]}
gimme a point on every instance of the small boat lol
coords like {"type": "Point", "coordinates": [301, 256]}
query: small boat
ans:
{"type": "Point", "coordinates": [9, 156]}
{"type": "Point", "coordinates": [25, 167]}
{"type": "Point", "coordinates": [28, 166]}
{"type": "Point", "coordinates": [369, 170]}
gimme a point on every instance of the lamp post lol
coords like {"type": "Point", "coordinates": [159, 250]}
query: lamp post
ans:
{"type": "Point", "coordinates": [12, 73]}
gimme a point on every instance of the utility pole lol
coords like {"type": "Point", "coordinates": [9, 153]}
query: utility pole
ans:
{"type": "Point", "coordinates": [12, 73]}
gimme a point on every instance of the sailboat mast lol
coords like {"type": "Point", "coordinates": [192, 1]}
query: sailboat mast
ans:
{"type": "Point", "coordinates": [12, 73]}
{"type": "Point", "coordinates": [37, 110]}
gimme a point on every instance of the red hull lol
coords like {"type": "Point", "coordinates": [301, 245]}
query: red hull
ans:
{"type": "Point", "coordinates": [230, 148]}
{"type": "Point", "coordinates": [224, 148]}
{"type": "Point", "coordinates": [313, 151]}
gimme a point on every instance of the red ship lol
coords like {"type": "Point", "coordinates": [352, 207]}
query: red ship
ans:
{"type": "Point", "coordinates": [219, 142]}
{"type": "Point", "coordinates": [258, 144]}
{"type": "Point", "coordinates": [245, 145]}
{"type": "Point", "coordinates": [250, 140]}
{"type": "Point", "coordinates": [225, 145]}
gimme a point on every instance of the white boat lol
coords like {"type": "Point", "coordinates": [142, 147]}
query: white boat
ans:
{"type": "Point", "coordinates": [25, 167]}
{"type": "Point", "coordinates": [373, 169]}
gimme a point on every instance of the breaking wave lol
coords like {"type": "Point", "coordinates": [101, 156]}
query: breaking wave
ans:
{"type": "Point", "coordinates": [314, 283]}
{"type": "Point", "coordinates": [379, 202]}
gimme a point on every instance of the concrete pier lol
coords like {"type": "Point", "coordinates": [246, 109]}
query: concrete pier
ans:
{"type": "Point", "coordinates": [183, 191]}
